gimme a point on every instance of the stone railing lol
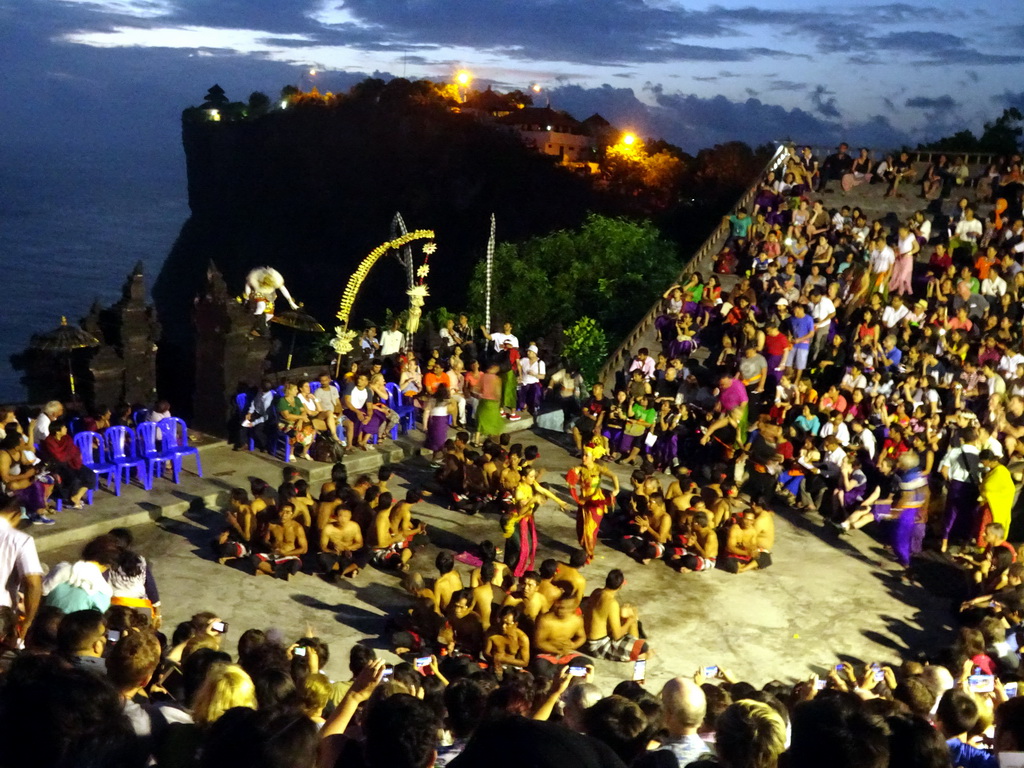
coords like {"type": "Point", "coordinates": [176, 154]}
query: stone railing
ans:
{"type": "Point", "coordinates": [701, 261]}
{"type": "Point", "coordinates": [978, 161]}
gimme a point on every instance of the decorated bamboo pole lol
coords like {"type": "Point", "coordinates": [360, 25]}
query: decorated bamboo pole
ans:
{"type": "Point", "coordinates": [343, 337]}
{"type": "Point", "coordinates": [490, 268]}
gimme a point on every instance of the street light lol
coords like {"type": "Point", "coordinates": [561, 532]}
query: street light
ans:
{"type": "Point", "coordinates": [535, 88]}
{"type": "Point", "coordinates": [462, 80]}
{"type": "Point", "coordinates": [629, 139]}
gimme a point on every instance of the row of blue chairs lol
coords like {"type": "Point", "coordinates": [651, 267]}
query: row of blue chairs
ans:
{"type": "Point", "coordinates": [147, 451]}
{"type": "Point", "coordinates": [279, 444]}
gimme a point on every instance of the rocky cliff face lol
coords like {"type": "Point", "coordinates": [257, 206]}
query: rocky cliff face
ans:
{"type": "Point", "coordinates": [311, 189]}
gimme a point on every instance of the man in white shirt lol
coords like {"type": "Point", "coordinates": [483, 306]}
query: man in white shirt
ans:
{"type": "Point", "coordinates": [859, 434]}
{"type": "Point", "coordinates": [882, 257]}
{"type": "Point", "coordinates": [498, 339]}
{"type": "Point", "coordinates": [835, 426]}
{"type": "Point", "coordinates": [822, 312]}
{"type": "Point", "coordinates": [993, 285]}
{"type": "Point", "coordinates": [968, 232]}
{"type": "Point", "coordinates": [52, 411]}
{"type": "Point", "coordinates": [644, 363]}
{"type": "Point", "coordinates": [369, 344]}
{"type": "Point", "coordinates": [960, 466]}
{"type": "Point", "coordinates": [20, 569]}
{"type": "Point", "coordinates": [532, 373]}
{"type": "Point", "coordinates": [392, 340]}
{"type": "Point", "coordinates": [895, 313]}
{"type": "Point", "coordinates": [1009, 361]}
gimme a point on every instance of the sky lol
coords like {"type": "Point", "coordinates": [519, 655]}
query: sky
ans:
{"type": "Point", "coordinates": [96, 74]}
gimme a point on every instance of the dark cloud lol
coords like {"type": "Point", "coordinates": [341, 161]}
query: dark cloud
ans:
{"type": "Point", "coordinates": [694, 122]}
{"type": "Point", "coordinates": [583, 31]}
{"type": "Point", "coordinates": [929, 102]}
{"type": "Point", "coordinates": [824, 102]}
{"type": "Point", "coordinates": [787, 85]}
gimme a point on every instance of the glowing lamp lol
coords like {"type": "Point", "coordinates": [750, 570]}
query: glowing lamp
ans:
{"type": "Point", "coordinates": [463, 78]}
{"type": "Point", "coordinates": [629, 139]}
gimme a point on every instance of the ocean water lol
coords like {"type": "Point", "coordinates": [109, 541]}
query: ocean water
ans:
{"type": "Point", "coordinates": [73, 223]}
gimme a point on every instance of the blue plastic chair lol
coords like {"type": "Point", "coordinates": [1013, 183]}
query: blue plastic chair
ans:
{"type": "Point", "coordinates": [279, 440]}
{"type": "Point", "coordinates": [140, 416]}
{"type": "Point", "coordinates": [76, 425]}
{"type": "Point", "coordinates": [94, 456]}
{"type": "Point", "coordinates": [122, 443]}
{"type": "Point", "coordinates": [175, 433]}
{"type": "Point", "coordinates": [406, 413]}
{"type": "Point", "coordinates": [152, 451]}
{"type": "Point", "coordinates": [314, 386]}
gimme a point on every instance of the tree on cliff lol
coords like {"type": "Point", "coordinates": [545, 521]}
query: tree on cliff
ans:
{"type": "Point", "coordinates": [610, 269]}
{"type": "Point", "coordinates": [259, 104]}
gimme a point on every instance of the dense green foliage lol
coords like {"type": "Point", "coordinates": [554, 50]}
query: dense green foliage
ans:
{"type": "Point", "coordinates": [610, 269]}
{"type": "Point", "coordinates": [586, 347]}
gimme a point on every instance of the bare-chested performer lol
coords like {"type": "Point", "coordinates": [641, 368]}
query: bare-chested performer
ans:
{"type": "Point", "coordinates": [388, 548]}
{"type": "Point", "coordinates": [741, 553]}
{"type": "Point", "coordinates": [486, 593]}
{"type": "Point", "coordinates": [613, 630]}
{"type": "Point", "coordinates": [650, 531]}
{"type": "Point", "coordinates": [558, 636]}
{"type": "Point", "coordinates": [236, 540]}
{"type": "Point", "coordinates": [528, 598]}
{"type": "Point", "coordinates": [341, 546]}
{"type": "Point", "coordinates": [547, 587]}
{"type": "Point", "coordinates": [463, 634]}
{"type": "Point", "coordinates": [287, 542]}
{"type": "Point", "coordinates": [764, 524]}
{"type": "Point", "coordinates": [695, 548]}
{"type": "Point", "coordinates": [401, 518]}
{"type": "Point", "coordinates": [448, 581]}
{"type": "Point", "coordinates": [507, 645]}
{"type": "Point", "coordinates": [570, 580]}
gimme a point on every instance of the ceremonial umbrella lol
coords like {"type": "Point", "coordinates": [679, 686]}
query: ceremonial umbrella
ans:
{"type": "Point", "coordinates": [297, 320]}
{"type": "Point", "coordinates": [65, 339]}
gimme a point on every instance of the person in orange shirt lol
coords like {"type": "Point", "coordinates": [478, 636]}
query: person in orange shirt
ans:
{"type": "Point", "coordinates": [435, 376]}
{"type": "Point", "coordinates": [985, 261]}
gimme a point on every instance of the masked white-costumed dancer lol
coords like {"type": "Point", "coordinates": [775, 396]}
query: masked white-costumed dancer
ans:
{"type": "Point", "coordinates": [262, 285]}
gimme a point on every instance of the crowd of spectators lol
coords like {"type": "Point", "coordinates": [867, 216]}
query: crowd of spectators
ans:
{"type": "Point", "coordinates": [869, 373]}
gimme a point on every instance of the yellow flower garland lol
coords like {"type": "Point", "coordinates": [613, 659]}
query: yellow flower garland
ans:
{"type": "Point", "coordinates": [356, 281]}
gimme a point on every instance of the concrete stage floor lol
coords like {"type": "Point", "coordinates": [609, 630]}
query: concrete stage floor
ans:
{"type": "Point", "coordinates": [824, 598]}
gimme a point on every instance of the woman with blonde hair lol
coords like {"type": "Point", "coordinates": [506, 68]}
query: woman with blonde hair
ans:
{"type": "Point", "coordinates": [316, 691]}
{"type": "Point", "coordinates": [226, 686]}
{"type": "Point", "coordinates": [749, 734]}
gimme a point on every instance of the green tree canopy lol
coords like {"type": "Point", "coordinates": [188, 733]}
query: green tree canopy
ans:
{"type": "Point", "coordinates": [609, 269]}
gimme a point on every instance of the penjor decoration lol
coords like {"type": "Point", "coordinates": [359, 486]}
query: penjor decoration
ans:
{"type": "Point", "coordinates": [343, 340]}
{"type": "Point", "coordinates": [490, 268]}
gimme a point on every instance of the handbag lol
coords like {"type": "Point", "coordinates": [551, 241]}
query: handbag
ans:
{"type": "Point", "coordinates": [634, 429]}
